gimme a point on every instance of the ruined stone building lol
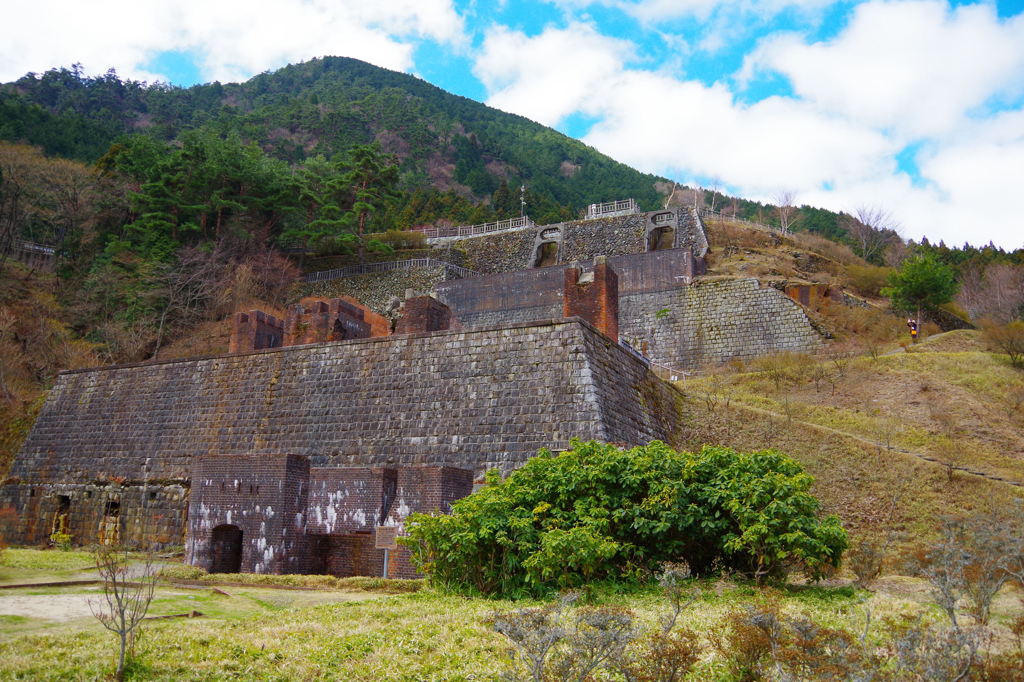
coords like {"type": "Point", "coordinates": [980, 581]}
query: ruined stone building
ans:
{"type": "Point", "coordinates": [284, 454]}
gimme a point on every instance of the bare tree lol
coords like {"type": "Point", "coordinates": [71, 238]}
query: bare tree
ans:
{"type": "Point", "coordinates": [785, 210]}
{"type": "Point", "coordinates": [716, 184]}
{"type": "Point", "coordinates": [872, 229]}
{"type": "Point", "coordinates": [127, 594]}
{"type": "Point", "coordinates": [187, 287]}
{"type": "Point", "coordinates": [997, 292]}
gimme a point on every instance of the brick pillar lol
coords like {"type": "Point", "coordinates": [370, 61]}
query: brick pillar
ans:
{"type": "Point", "coordinates": [594, 297]}
{"type": "Point", "coordinates": [423, 314]}
{"type": "Point", "coordinates": [241, 334]}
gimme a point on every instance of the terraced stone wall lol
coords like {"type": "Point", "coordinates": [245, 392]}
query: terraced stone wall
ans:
{"type": "Point", "coordinates": [714, 322]}
{"type": "Point", "coordinates": [472, 399]}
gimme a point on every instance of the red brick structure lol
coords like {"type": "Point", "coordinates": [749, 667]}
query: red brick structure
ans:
{"type": "Point", "coordinates": [594, 296]}
{"type": "Point", "coordinates": [275, 514]}
{"type": "Point", "coordinates": [813, 295]}
{"type": "Point", "coordinates": [423, 314]}
{"type": "Point", "coordinates": [255, 330]}
{"type": "Point", "coordinates": [379, 325]}
{"type": "Point", "coordinates": [318, 321]}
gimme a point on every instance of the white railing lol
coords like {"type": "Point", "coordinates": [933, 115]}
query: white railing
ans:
{"type": "Point", "coordinates": [718, 215]}
{"type": "Point", "coordinates": [473, 230]}
{"type": "Point", "coordinates": [371, 268]}
{"type": "Point", "coordinates": [32, 247]}
{"type": "Point", "coordinates": [610, 208]}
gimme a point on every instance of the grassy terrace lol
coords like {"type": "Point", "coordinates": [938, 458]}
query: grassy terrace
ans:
{"type": "Point", "coordinates": [260, 633]}
{"type": "Point", "coordinates": [257, 632]}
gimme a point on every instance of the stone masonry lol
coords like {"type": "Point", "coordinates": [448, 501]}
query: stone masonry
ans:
{"type": "Point", "coordinates": [120, 442]}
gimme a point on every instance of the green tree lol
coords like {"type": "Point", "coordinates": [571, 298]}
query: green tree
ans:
{"type": "Point", "coordinates": [922, 282]}
{"type": "Point", "coordinates": [598, 512]}
{"type": "Point", "coordinates": [373, 177]}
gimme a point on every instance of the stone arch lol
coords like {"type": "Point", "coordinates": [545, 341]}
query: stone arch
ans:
{"type": "Point", "coordinates": [661, 231]}
{"type": "Point", "coordinates": [226, 549]}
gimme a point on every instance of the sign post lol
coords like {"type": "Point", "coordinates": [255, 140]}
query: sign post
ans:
{"type": "Point", "coordinates": [387, 539]}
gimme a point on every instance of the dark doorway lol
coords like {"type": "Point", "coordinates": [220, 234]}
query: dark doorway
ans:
{"type": "Point", "coordinates": [661, 238]}
{"type": "Point", "coordinates": [226, 549]}
{"type": "Point", "coordinates": [547, 254]}
{"type": "Point", "coordinates": [389, 491]}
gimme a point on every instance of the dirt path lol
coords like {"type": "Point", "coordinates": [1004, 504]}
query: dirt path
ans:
{"type": "Point", "coordinates": [875, 443]}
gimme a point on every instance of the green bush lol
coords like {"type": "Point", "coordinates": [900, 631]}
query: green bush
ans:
{"type": "Point", "coordinates": [597, 512]}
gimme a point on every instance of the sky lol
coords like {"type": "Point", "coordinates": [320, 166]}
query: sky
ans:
{"type": "Point", "coordinates": [914, 107]}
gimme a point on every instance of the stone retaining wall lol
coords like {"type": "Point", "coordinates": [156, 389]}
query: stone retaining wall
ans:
{"type": "Point", "coordinates": [714, 322]}
{"type": "Point", "coordinates": [473, 399]}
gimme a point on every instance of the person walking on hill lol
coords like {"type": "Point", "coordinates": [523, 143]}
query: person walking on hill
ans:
{"type": "Point", "coordinates": [912, 323]}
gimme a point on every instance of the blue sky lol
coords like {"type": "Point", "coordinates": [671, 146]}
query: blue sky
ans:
{"type": "Point", "coordinates": [912, 106]}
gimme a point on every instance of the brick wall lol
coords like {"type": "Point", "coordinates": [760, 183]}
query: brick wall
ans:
{"type": "Point", "coordinates": [594, 297]}
{"type": "Point", "coordinates": [264, 496]}
{"type": "Point", "coordinates": [344, 500]}
{"type": "Point", "coordinates": [255, 330]}
{"type": "Point", "coordinates": [423, 314]}
{"type": "Point", "coordinates": [147, 511]}
{"type": "Point", "coordinates": [314, 320]}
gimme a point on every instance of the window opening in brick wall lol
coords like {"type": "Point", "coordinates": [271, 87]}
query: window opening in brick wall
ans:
{"type": "Point", "coordinates": [152, 495]}
{"type": "Point", "coordinates": [389, 491]}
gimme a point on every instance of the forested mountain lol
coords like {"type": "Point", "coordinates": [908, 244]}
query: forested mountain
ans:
{"type": "Point", "coordinates": [324, 107]}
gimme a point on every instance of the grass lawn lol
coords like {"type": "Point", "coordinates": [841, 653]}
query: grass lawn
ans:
{"type": "Point", "coordinates": [260, 633]}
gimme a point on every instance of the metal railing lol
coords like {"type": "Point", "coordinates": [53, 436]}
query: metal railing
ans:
{"type": "Point", "coordinates": [32, 247]}
{"type": "Point", "coordinates": [458, 271]}
{"type": "Point", "coordinates": [473, 230]}
{"type": "Point", "coordinates": [609, 208]}
{"type": "Point", "coordinates": [708, 213]}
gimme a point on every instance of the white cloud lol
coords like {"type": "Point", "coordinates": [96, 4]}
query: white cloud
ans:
{"type": "Point", "coordinates": [233, 38]}
{"type": "Point", "coordinates": [658, 11]}
{"type": "Point", "coordinates": [831, 156]}
{"type": "Point", "coordinates": [914, 67]}
{"type": "Point", "coordinates": [549, 76]}
{"type": "Point", "coordinates": [663, 125]}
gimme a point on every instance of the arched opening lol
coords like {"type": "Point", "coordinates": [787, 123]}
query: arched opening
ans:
{"type": "Point", "coordinates": [547, 254]}
{"type": "Point", "coordinates": [661, 238]}
{"type": "Point", "coordinates": [226, 549]}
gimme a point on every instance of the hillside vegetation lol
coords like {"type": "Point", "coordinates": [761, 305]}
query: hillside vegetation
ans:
{"type": "Point", "coordinates": [890, 440]}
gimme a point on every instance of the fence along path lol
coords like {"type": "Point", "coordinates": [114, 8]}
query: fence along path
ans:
{"type": "Point", "coordinates": [458, 271]}
{"type": "Point", "coordinates": [473, 230]}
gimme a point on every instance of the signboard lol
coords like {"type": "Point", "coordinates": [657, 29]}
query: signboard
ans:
{"type": "Point", "coordinates": [387, 537]}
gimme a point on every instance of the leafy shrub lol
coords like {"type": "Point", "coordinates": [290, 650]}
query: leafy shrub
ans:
{"type": "Point", "coordinates": [377, 246]}
{"type": "Point", "coordinates": [598, 512]}
{"type": "Point", "coordinates": [1009, 338]}
{"type": "Point", "coordinates": [402, 239]}
{"type": "Point", "coordinates": [868, 280]}
{"type": "Point", "coordinates": [332, 245]}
